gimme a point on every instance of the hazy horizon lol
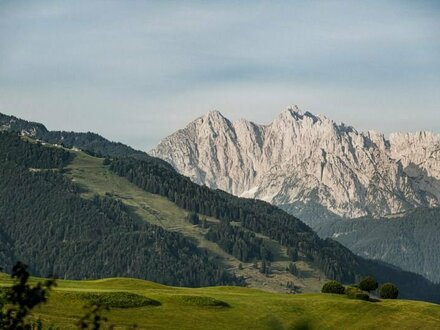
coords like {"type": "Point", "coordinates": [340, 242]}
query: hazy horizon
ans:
{"type": "Point", "coordinates": [136, 72]}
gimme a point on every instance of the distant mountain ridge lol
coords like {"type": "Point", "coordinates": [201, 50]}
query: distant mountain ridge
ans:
{"type": "Point", "coordinates": [308, 164]}
{"type": "Point", "coordinates": [409, 240]}
{"type": "Point", "coordinates": [89, 141]}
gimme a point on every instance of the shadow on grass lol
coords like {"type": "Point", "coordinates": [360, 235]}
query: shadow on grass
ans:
{"type": "Point", "coordinates": [272, 323]}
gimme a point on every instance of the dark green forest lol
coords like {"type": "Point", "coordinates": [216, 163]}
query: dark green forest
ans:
{"type": "Point", "coordinates": [257, 216]}
{"type": "Point", "coordinates": [242, 244]}
{"type": "Point", "coordinates": [410, 241]}
{"type": "Point", "coordinates": [46, 224]}
{"type": "Point", "coordinates": [91, 142]}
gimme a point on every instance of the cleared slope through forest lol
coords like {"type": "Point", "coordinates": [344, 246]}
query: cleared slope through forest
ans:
{"type": "Point", "coordinates": [91, 174]}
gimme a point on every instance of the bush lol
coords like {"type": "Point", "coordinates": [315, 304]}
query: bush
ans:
{"type": "Point", "coordinates": [202, 301]}
{"type": "Point", "coordinates": [389, 291]}
{"type": "Point", "coordinates": [333, 287]}
{"type": "Point", "coordinates": [119, 300]}
{"type": "Point", "coordinates": [368, 284]}
{"type": "Point", "coordinates": [353, 292]}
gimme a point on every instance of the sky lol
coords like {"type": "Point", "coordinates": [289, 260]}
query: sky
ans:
{"type": "Point", "coordinates": [136, 71]}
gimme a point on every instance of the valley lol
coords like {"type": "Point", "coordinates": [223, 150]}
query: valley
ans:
{"type": "Point", "coordinates": [408, 240]}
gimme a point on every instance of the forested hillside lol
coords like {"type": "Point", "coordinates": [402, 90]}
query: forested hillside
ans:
{"type": "Point", "coordinates": [46, 224]}
{"type": "Point", "coordinates": [91, 142]}
{"type": "Point", "coordinates": [260, 217]}
{"type": "Point", "coordinates": [248, 217]}
{"type": "Point", "coordinates": [336, 261]}
{"type": "Point", "coordinates": [410, 241]}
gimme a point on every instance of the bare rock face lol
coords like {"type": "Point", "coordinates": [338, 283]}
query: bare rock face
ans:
{"type": "Point", "coordinates": [420, 155]}
{"type": "Point", "coordinates": [308, 164]}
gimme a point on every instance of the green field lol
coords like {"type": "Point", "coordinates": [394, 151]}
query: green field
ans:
{"type": "Point", "coordinates": [227, 308]}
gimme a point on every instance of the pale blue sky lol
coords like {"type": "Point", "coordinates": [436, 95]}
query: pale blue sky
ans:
{"type": "Point", "coordinates": [135, 71]}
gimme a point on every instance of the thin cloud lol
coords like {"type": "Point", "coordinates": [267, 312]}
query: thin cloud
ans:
{"type": "Point", "coordinates": [136, 71]}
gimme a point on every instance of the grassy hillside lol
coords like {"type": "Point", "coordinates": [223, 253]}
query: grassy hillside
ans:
{"type": "Point", "coordinates": [229, 308]}
{"type": "Point", "coordinates": [90, 173]}
{"type": "Point", "coordinates": [47, 224]}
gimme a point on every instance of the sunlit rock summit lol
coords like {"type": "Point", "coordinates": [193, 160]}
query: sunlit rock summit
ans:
{"type": "Point", "coordinates": [308, 164]}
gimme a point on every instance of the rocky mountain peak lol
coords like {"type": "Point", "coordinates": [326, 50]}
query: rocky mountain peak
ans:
{"type": "Point", "coordinates": [294, 112]}
{"type": "Point", "coordinates": [305, 162]}
{"type": "Point", "coordinates": [214, 115]}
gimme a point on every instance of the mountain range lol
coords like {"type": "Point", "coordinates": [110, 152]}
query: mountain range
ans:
{"type": "Point", "coordinates": [309, 165]}
{"type": "Point", "coordinates": [326, 174]}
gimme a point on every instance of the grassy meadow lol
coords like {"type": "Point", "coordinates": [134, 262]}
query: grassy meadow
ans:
{"type": "Point", "coordinates": [154, 306]}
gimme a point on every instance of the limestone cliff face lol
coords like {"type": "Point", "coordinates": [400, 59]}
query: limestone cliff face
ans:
{"type": "Point", "coordinates": [302, 159]}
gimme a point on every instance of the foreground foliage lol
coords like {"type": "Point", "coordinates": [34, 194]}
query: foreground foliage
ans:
{"type": "Point", "coordinates": [358, 291]}
{"type": "Point", "coordinates": [333, 287]}
{"type": "Point", "coordinates": [19, 300]}
{"type": "Point", "coordinates": [354, 292]}
{"type": "Point", "coordinates": [389, 291]}
{"type": "Point", "coordinates": [368, 284]}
